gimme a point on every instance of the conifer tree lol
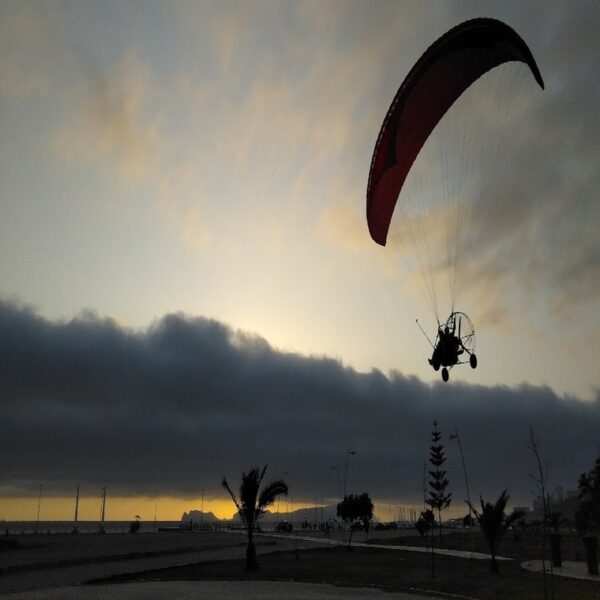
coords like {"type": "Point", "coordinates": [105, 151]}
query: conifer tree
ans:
{"type": "Point", "coordinates": [438, 498]}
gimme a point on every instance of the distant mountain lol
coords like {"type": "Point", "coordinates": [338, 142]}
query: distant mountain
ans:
{"type": "Point", "coordinates": [197, 516]}
{"type": "Point", "coordinates": [312, 515]}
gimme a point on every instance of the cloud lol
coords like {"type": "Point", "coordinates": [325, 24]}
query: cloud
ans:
{"type": "Point", "coordinates": [27, 49]}
{"type": "Point", "coordinates": [112, 126]}
{"type": "Point", "coordinates": [342, 223]}
{"type": "Point", "coordinates": [179, 202]}
{"type": "Point", "coordinates": [228, 33]}
{"type": "Point", "coordinates": [194, 233]}
{"type": "Point", "coordinates": [119, 127]}
{"type": "Point", "coordinates": [188, 400]}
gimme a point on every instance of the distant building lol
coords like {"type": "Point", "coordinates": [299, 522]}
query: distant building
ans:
{"type": "Point", "coordinates": [563, 503]}
{"type": "Point", "coordinates": [559, 494]}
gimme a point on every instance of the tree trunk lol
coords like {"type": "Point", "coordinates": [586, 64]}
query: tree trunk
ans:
{"type": "Point", "coordinates": [350, 539]}
{"type": "Point", "coordinates": [591, 554]}
{"type": "Point", "coordinates": [251, 553]}
{"type": "Point", "coordinates": [432, 554]}
{"type": "Point", "coordinates": [555, 547]}
{"type": "Point", "coordinates": [493, 564]}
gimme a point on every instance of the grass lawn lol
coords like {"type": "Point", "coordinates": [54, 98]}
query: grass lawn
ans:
{"type": "Point", "coordinates": [521, 546]}
{"type": "Point", "coordinates": [386, 569]}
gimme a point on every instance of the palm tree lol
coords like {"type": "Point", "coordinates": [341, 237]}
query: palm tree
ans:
{"type": "Point", "coordinates": [494, 523]}
{"type": "Point", "coordinates": [251, 506]}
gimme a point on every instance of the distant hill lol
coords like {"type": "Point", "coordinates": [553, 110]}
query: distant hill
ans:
{"type": "Point", "coordinates": [297, 516]}
{"type": "Point", "coordinates": [311, 515]}
{"type": "Point", "coordinates": [197, 516]}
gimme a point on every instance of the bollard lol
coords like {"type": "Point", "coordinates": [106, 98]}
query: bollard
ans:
{"type": "Point", "coordinates": [591, 555]}
{"type": "Point", "coordinates": [555, 548]}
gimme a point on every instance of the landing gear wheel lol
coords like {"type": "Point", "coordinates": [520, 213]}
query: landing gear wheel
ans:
{"type": "Point", "coordinates": [473, 361]}
{"type": "Point", "coordinates": [445, 374]}
{"type": "Point", "coordinates": [436, 365]}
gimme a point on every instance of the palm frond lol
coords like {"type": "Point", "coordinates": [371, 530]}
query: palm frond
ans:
{"type": "Point", "coordinates": [248, 494]}
{"type": "Point", "coordinates": [512, 518]}
{"type": "Point", "coordinates": [235, 500]}
{"type": "Point", "coordinates": [492, 520]}
{"type": "Point", "coordinates": [262, 474]}
{"type": "Point", "coordinates": [270, 493]}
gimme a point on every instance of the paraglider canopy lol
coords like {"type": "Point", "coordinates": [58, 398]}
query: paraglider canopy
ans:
{"type": "Point", "coordinates": [440, 187]}
{"type": "Point", "coordinates": [446, 69]}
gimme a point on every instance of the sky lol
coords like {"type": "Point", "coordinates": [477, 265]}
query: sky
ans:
{"type": "Point", "coordinates": [187, 282]}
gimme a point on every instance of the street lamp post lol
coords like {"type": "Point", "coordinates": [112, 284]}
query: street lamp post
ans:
{"type": "Point", "coordinates": [37, 522]}
{"type": "Point", "coordinates": [102, 511]}
{"type": "Point", "coordinates": [339, 485]}
{"type": "Point", "coordinates": [76, 521]}
{"type": "Point", "coordinates": [202, 510]}
{"type": "Point", "coordinates": [155, 509]}
{"type": "Point", "coordinates": [348, 454]}
{"type": "Point", "coordinates": [287, 504]}
{"type": "Point", "coordinates": [455, 436]}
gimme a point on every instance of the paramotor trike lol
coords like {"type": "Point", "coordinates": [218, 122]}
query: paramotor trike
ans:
{"type": "Point", "coordinates": [455, 341]}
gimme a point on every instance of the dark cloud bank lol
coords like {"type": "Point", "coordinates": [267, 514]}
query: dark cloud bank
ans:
{"type": "Point", "coordinates": [177, 406]}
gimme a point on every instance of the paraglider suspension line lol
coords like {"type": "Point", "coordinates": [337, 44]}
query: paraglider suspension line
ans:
{"type": "Point", "coordinates": [426, 336]}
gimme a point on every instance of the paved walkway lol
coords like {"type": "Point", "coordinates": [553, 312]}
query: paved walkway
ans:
{"type": "Point", "coordinates": [575, 570]}
{"type": "Point", "coordinates": [61, 576]}
{"type": "Point", "coordinates": [441, 551]}
{"type": "Point", "coordinates": [215, 590]}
